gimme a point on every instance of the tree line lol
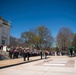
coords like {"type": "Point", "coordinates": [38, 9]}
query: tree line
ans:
{"type": "Point", "coordinates": [41, 38]}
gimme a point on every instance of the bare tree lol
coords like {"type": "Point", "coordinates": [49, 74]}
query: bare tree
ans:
{"type": "Point", "coordinates": [64, 38]}
{"type": "Point", "coordinates": [46, 39]}
{"type": "Point", "coordinates": [39, 38]}
{"type": "Point", "coordinates": [15, 41]}
{"type": "Point", "coordinates": [28, 38]}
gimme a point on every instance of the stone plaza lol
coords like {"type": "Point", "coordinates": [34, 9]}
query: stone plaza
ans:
{"type": "Point", "coordinates": [53, 65]}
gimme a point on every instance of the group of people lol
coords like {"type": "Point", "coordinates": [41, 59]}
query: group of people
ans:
{"type": "Point", "coordinates": [26, 54]}
{"type": "Point", "coordinates": [45, 54]}
{"type": "Point", "coordinates": [13, 53]}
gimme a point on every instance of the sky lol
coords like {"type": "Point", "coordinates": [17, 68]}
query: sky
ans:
{"type": "Point", "coordinates": [28, 14]}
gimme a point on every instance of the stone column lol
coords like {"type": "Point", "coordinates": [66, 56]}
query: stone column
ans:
{"type": "Point", "coordinates": [8, 41]}
{"type": "Point", "coordinates": [0, 35]}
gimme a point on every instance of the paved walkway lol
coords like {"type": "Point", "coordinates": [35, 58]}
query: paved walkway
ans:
{"type": "Point", "coordinates": [54, 65]}
{"type": "Point", "coordinates": [12, 62]}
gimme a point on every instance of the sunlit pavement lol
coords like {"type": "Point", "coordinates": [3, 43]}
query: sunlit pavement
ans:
{"type": "Point", "coordinates": [13, 62]}
{"type": "Point", "coordinates": [54, 65]}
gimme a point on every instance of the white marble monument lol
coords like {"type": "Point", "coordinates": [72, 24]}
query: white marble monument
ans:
{"type": "Point", "coordinates": [4, 32]}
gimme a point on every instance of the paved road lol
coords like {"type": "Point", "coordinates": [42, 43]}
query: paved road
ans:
{"type": "Point", "coordinates": [54, 65]}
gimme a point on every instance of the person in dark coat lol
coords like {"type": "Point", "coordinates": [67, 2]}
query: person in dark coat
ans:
{"type": "Point", "coordinates": [0, 46]}
{"type": "Point", "coordinates": [24, 55]}
{"type": "Point", "coordinates": [71, 52]}
{"type": "Point", "coordinates": [17, 53]}
{"type": "Point", "coordinates": [28, 55]}
{"type": "Point", "coordinates": [14, 54]}
{"type": "Point", "coordinates": [41, 54]}
{"type": "Point", "coordinates": [11, 53]}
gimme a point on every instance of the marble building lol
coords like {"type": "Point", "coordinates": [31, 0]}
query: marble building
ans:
{"type": "Point", "coordinates": [4, 32]}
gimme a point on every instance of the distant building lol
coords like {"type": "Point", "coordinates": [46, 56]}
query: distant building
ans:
{"type": "Point", "coordinates": [4, 32]}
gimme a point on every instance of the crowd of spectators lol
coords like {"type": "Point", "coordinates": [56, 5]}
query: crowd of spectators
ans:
{"type": "Point", "coordinates": [15, 52]}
